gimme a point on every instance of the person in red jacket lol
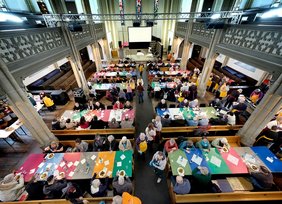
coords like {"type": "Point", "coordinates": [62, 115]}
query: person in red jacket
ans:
{"type": "Point", "coordinates": [118, 105]}
{"type": "Point", "coordinates": [170, 145]}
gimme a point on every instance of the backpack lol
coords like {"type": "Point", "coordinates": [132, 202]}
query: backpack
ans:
{"type": "Point", "coordinates": [143, 146]}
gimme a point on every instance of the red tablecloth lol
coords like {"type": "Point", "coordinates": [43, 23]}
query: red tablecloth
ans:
{"type": "Point", "coordinates": [232, 155]}
{"type": "Point", "coordinates": [69, 166]}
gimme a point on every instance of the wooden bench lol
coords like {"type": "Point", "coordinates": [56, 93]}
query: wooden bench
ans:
{"type": "Point", "coordinates": [90, 134]}
{"type": "Point", "coordinates": [108, 200]}
{"type": "Point", "coordinates": [224, 197]}
{"type": "Point", "coordinates": [189, 130]}
{"type": "Point", "coordinates": [234, 141]}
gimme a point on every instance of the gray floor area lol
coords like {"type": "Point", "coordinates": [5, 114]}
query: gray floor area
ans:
{"type": "Point", "coordinates": [146, 187]}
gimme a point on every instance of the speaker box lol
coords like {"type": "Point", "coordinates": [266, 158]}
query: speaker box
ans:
{"type": "Point", "coordinates": [136, 23]}
{"type": "Point", "coordinates": [75, 27]}
{"type": "Point", "coordinates": [150, 23]}
{"type": "Point", "coordinates": [60, 97]}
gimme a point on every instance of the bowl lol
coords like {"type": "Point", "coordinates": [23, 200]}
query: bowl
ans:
{"type": "Point", "coordinates": [102, 174]}
{"type": "Point", "coordinates": [254, 167]}
{"type": "Point", "coordinates": [50, 156]}
{"type": "Point", "coordinates": [180, 171]}
{"type": "Point", "coordinates": [44, 176]}
{"type": "Point", "coordinates": [121, 173]}
{"type": "Point", "coordinates": [224, 149]}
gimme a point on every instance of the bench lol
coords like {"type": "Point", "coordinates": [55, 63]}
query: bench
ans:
{"type": "Point", "coordinates": [89, 134]}
{"type": "Point", "coordinates": [189, 130]}
{"type": "Point", "coordinates": [108, 200]}
{"type": "Point", "coordinates": [224, 197]}
{"type": "Point", "coordinates": [234, 141]}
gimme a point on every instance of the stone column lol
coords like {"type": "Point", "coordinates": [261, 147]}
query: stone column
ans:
{"type": "Point", "coordinates": [225, 61]}
{"type": "Point", "coordinates": [203, 52]}
{"type": "Point", "coordinates": [75, 72]}
{"type": "Point", "coordinates": [97, 56]}
{"type": "Point", "coordinates": [107, 49]}
{"type": "Point", "coordinates": [76, 60]}
{"type": "Point", "coordinates": [185, 54]}
{"type": "Point", "coordinates": [22, 107]}
{"type": "Point", "coordinates": [264, 112]}
{"type": "Point", "coordinates": [209, 63]}
{"type": "Point", "coordinates": [217, 4]}
{"type": "Point", "coordinates": [86, 6]}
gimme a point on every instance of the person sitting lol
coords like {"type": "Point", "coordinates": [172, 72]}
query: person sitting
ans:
{"type": "Point", "coordinates": [57, 125]}
{"type": "Point", "coordinates": [162, 104]}
{"type": "Point", "coordinates": [162, 79]}
{"type": "Point", "coordinates": [193, 122]}
{"type": "Point", "coordinates": [53, 188]}
{"type": "Point", "coordinates": [194, 103]}
{"type": "Point", "coordinates": [49, 103]}
{"type": "Point", "coordinates": [220, 143]}
{"type": "Point", "coordinates": [118, 105]}
{"type": "Point", "coordinates": [186, 145]}
{"type": "Point", "coordinates": [70, 125]}
{"type": "Point", "coordinates": [97, 124]}
{"type": "Point", "coordinates": [231, 118]}
{"type": "Point", "coordinates": [127, 198]}
{"type": "Point", "coordinates": [262, 179]}
{"type": "Point", "coordinates": [127, 122]}
{"type": "Point", "coordinates": [54, 147]}
{"type": "Point", "coordinates": [239, 106]}
{"type": "Point", "coordinates": [11, 187]}
{"type": "Point", "coordinates": [90, 105]}
{"type": "Point", "coordinates": [170, 146]}
{"type": "Point", "coordinates": [99, 106]}
{"type": "Point", "coordinates": [78, 107]}
{"type": "Point", "coordinates": [111, 144]}
{"type": "Point", "coordinates": [124, 144]}
{"type": "Point", "coordinates": [34, 188]}
{"type": "Point", "coordinates": [216, 103]}
{"type": "Point", "coordinates": [122, 184]}
{"type": "Point", "coordinates": [202, 178]}
{"type": "Point", "coordinates": [74, 194]}
{"type": "Point", "coordinates": [204, 121]}
{"type": "Point", "coordinates": [113, 124]}
{"type": "Point", "coordinates": [166, 121]}
{"type": "Point", "coordinates": [98, 143]}
{"type": "Point", "coordinates": [267, 137]}
{"type": "Point", "coordinates": [98, 188]}
{"type": "Point", "coordinates": [182, 185]}
{"type": "Point", "coordinates": [184, 104]}
{"type": "Point", "coordinates": [277, 123]}
{"type": "Point", "coordinates": [83, 124]}
{"type": "Point", "coordinates": [204, 144]}
{"type": "Point", "coordinates": [80, 146]}
{"type": "Point", "coordinates": [127, 105]}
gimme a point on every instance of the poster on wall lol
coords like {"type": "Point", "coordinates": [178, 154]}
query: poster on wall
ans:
{"type": "Point", "coordinates": [121, 11]}
{"type": "Point", "coordinates": [138, 8]}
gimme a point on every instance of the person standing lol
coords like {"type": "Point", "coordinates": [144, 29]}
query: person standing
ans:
{"type": "Point", "coordinates": [233, 96]}
{"type": "Point", "coordinates": [158, 162]}
{"type": "Point", "coordinates": [140, 90]}
{"type": "Point", "coordinates": [141, 68]}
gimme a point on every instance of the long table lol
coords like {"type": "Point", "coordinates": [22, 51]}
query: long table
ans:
{"type": "Point", "coordinates": [163, 85]}
{"type": "Point", "coordinates": [168, 73]}
{"type": "Point", "coordinates": [107, 86]}
{"type": "Point", "coordinates": [105, 115]}
{"type": "Point", "coordinates": [114, 74]}
{"type": "Point", "coordinates": [187, 113]}
{"type": "Point", "coordinates": [77, 165]}
{"type": "Point", "coordinates": [235, 161]}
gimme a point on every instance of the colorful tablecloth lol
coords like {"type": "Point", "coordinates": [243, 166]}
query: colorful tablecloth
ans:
{"type": "Point", "coordinates": [187, 113]}
{"type": "Point", "coordinates": [105, 115]}
{"type": "Point", "coordinates": [235, 161]}
{"type": "Point", "coordinates": [77, 165]}
{"type": "Point", "coordinates": [163, 85]}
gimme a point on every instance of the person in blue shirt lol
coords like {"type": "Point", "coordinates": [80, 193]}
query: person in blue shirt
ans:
{"type": "Point", "coordinates": [193, 122]}
{"type": "Point", "coordinates": [182, 185]}
{"type": "Point", "coordinates": [186, 145]}
{"type": "Point", "coordinates": [204, 144]}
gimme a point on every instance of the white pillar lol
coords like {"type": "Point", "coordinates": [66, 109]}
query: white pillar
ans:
{"type": "Point", "coordinates": [75, 72]}
{"type": "Point", "coordinates": [185, 54]}
{"type": "Point", "coordinates": [225, 61]}
{"type": "Point", "coordinates": [22, 107]}
{"type": "Point", "coordinates": [97, 56]}
{"type": "Point", "coordinates": [264, 112]}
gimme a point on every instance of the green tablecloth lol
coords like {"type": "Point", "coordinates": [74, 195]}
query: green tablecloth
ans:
{"type": "Point", "coordinates": [77, 115]}
{"type": "Point", "coordinates": [123, 161]}
{"type": "Point", "coordinates": [216, 163]}
{"type": "Point", "coordinates": [175, 159]}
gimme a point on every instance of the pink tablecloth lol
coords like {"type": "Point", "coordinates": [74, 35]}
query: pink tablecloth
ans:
{"type": "Point", "coordinates": [234, 161]}
{"type": "Point", "coordinates": [30, 166]}
{"type": "Point", "coordinates": [69, 160]}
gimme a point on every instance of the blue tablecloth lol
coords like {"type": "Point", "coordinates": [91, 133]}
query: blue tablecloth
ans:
{"type": "Point", "coordinates": [199, 153]}
{"type": "Point", "coordinates": [268, 158]}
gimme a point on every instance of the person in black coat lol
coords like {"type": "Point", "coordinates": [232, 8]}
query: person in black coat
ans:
{"type": "Point", "coordinates": [53, 188]}
{"type": "Point", "coordinates": [75, 195]}
{"type": "Point", "coordinates": [111, 144]}
{"type": "Point", "coordinates": [97, 124]}
{"type": "Point", "coordinates": [162, 104]}
{"type": "Point", "coordinates": [35, 189]}
{"type": "Point", "coordinates": [99, 106]}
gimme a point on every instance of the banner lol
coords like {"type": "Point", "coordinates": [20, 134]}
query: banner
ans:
{"type": "Point", "coordinates": [138, 8]}
{"type": "Point", "coordinates": [121, 11]}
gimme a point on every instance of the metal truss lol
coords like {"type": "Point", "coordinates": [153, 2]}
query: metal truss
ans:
{"type": "Point", "coordinates": [52, 20]}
